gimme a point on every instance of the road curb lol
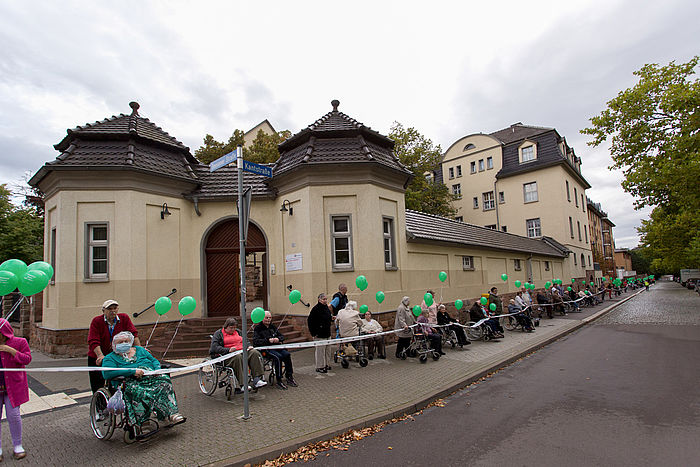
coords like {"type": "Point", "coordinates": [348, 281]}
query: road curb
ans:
{"type": "Point", "coordinates": [274, 451]}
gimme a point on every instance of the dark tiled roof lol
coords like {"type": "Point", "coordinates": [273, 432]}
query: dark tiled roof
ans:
{"type": "Point", "coordinates": [224, 183]}
{"type": "Point", "coordinates": [337, 138]}
{"type": "Point", "coordinates": [518, 131]}
{"type": "Point", "coordinates": [429, 227]}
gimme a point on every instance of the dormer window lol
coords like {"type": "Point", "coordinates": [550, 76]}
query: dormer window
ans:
{"type": "Point", "coordinates": [528, 152]}
{"type": "Point", "coordinates": [469, 147]}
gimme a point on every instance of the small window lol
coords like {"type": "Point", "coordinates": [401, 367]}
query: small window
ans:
{"type": "Point", "coordinates": [459, 170]}
{"type": "Point", "coordinates": [504, 228]}
{"type": "Point", "coordinates": [467, 263]}
{"type": "Point", "coordinates": [491, 226]}
{"type": "Point", "coordinates": [530, 192]}
{"type": "Point", "coordinates": [476, 203]}
{"type": "Point", "coordinates": [489, 162]}
{"type": "Point", "coordinates": [53, 254]}
{"type": "Point", "coordinates": [576, 196]}
{"type": "Point", "coordinates": [589, 260]}
{"type": "Point", "coordinates": [583, 205]}
{"type": "Point", "coordinates": [388, 231]}
{"type": "Point", "coordinates": [568, 193]}
{"type": "Point", "coordinates": [473, 167]}
{"type": "Point", "coordinates": [575, 263]}
{"type": "Point", "coordinates": [459, 219]}
{"type": "Point", "coordinates": [501, 197]}
{"type": "Point", "coordinates": [481, 165]}
{"type": "Point", "coordinates": [341, 242]}
{"type": "Point", "coordinates": [571, 227]}
{"type": "Point", "coordinates": [533, 228]}
{"type": "Point", "coordinates": [452, 172]}
{"type": "Point", "coordinates": [489, 201]}
{"type": "Point", "coordinates": [97, 252]}
{"type": "Point", "coordinates": [578, 226]}
{"type": "Point", "coordinates": [429, 177]}
{"type": "Point", "coordinates": [457, 190]}
{"type": "Point", "coordinates": [527, 154]}
{"type": "Point", "coordinates": [585, 233]}
{"type": "Point", "coordinates": [546, 265]}
{"type": "Point", "coordinates": [469, 146]}
{"type": "Point", "coordinates": [583, 261]}
{"type": "Point", "coordinates": [516, 265]}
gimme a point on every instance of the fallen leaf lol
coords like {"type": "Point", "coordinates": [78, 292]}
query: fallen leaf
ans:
{"type": "Point", "coordinates": [390, 448]}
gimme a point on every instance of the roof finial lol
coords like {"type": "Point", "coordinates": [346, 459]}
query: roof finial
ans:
{"type": "Point", "coordinates": [335, 103]}
{"type": "Point", "coordinates": [134, 107]}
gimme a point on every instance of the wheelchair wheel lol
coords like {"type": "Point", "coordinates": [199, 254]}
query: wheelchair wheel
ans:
{"type": "Point", "coordinates": [130, 434]}
{"type": "Point", "coordinates": [335, 357]}
{"type": "Point", "coordinates": [403, 355]}
{"type": "Point", "coordinates": [363, 362]}
{"type": "Point", "coordinates": [474, 333]}
{"type": "Point", "coordinates": [229, 391]}
{"type": "Point", "coordinates": [412, 353]}
{"type": "Point", "coordinates": [423, 358]}
{"type": "Point", "coordinates": [510, 323]}
{"type": "Point", "coordinates": [101, 421]}
{"type": "Point", "coordinates": [436, 356]}
{"type": "Point", "coordinates": [345, 364]}
{"type": "Point", "coordinates": [208, 377]}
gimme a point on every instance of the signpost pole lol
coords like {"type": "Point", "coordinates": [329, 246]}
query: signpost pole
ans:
{"type": "Point", "coordinates": [241, 243]}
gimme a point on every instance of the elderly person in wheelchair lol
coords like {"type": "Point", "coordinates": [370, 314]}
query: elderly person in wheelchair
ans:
{"type": "Point", "coordinates": [228, 340]}
{"type": "Point", "coordinates": [265, 334]}
{"type": "Point", "coordinates": [143, 395]}
{"type": "Point", "coordinates": [372, 326]}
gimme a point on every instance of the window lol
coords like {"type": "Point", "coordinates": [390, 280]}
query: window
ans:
{"type": "Point", "coordinates": [452, 172]}
{"type": "Point", "coordinates": [468, 263]}
{"type": "Point", "coordinates": [533, 228]}
{"type": "Point", "coordinates": [575, 263]}
{"type": "Point", "coordinates": [576, 196]}
{"type": "Point", "coordinates": [571, 227]}
{"type": "Point", "coordinates": [578, 226]}
{"type": "Point", "coordinates": [469, 146]}
{"type": "Point", "coordinates": [501, 197]}
{"type": "Point", "coordinates": [476, 203]}
{"type": "Point", "coordinates": [473, 167]}
{"type": "Point", "coordinates": [530, 192]}
{"type": "Point", "coordinates": [489, 162]}
{"type": "Point", "coordinates": [516, 265]}
{"type": "Point", "coordinates": [589, 260]}
{"type": "Point", "coordinates": [341, 242]}
{"type": "Point", "coordinates": [583, 205]}
{"type": "Point", "coordinates": [457, 190]}
{"type": "Point", "coordinates": [568, 193]}
{"type": "Point", "coordinates": [459, 170]}
{"type": "Point", "coordinates": [491, 226]}
{"type": "Point", "coordinates": [583, 261]}
{"type": "Point", "coordinates": [546, 265]}
{"type": "Point", "coordinates": [504, 228]}
{"type": "Point", "coordinates": [585, 233]}
{"type": "Point", "coordinates": [481, 165]}
{"type": "Point", "coordinates": [429, 177]}
{"type": "Point", "coordinates": [388, 231]}
{"type": "Point", "coordinates": [53, 254]}
{"type": "Point", "coordinates": [459, 219]}
{"type": "Point", "coordinates": [489, 201]}
{"type": "Point", "coordinates": [96, 254]}
{"type": "Point", "coordinates": [527, 154]}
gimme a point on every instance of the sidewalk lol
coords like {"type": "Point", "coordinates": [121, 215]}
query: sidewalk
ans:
{"type": "Point", "coordinates": [323, 405]}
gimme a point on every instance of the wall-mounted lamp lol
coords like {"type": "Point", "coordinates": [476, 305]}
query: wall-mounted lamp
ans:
{"type": "Point", "coordinates": [286, 203]}
{"type": "Point", "coordinates": [164, 211]}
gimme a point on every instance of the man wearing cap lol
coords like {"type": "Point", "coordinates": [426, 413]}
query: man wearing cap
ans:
{"type": "Point", "coordinates": [102, 328]}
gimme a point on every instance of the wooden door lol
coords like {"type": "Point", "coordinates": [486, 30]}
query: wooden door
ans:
{"type": "Point", "coordinates": [223, 297]}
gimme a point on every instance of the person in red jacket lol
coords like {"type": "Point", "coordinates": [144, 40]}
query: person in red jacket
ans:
{"type": "Point", "coordinates": [14, 390]}
{"type": "Point", "coordinates": [102, 328]}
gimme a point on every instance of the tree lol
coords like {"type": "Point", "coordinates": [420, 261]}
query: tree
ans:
{"type": "Point", "coordinates": [654, 129]}
{"type": "Point", "coordinates": [213, 149]}
{"type": "Point", "coordinates": [420, 156]}
{"type": "Point", "coordinates": [263, 149]}
{"type": "Point", "coordinates": [21, 230]}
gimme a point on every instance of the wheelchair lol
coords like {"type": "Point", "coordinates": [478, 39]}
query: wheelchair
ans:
{"type": "Point", "coordinates": [219, 375]}
{"type": "Point", "coordinates": [344, 359]}
{"type": "Point", "coordinates": [419, 347]}
{"type": "Point", "coordinates": [269, 368]}
{"type": "Point", "coordinates": [104, 423]}
{"type": "Point", "coordinates": [482, 331]}
{"type": "Point", "coordinates": [449, 337]}
{"type": "Point", "coordinates": [511, 323]}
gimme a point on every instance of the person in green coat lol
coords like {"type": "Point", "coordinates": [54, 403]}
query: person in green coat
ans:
{"type": "Point", "coordinates": [143, 395]}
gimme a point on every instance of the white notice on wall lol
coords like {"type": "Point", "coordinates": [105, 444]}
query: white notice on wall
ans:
{"type": "Point", "coordinates": [293, 262]}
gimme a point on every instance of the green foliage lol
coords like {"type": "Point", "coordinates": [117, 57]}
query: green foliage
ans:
{"type": "Point", "coordinates": [262, 150]}
{"type": "Point", "coordinates": [212, 149]}
{"type": "Point", "coordinates": [21, 230]}
{"type": "Point", "coordinates": [654, 128]}
{"type": "Point", "coordinates": [420, 156]}
{"type": "Point", "coordinates": [640, 260]}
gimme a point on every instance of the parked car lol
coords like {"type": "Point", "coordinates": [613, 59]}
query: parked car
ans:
{"type": "Point", "coordinates": [691, 283]}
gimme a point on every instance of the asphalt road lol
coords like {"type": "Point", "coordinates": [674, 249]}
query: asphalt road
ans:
{"type": "Point", "coordinates": [622, 391]}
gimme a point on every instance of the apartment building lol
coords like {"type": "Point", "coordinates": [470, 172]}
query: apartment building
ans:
{"type": "Point", "coordinates": [524, 180]}
{"type": "Point", "coordinates": [602, 241]}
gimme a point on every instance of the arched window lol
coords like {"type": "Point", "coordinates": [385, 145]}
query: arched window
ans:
{"type": "Point", "coordinates": [469, 147]}
{"type": "Point", "coordinates": [583, 260]}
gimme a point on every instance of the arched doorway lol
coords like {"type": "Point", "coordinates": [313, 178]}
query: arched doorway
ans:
{"type": "Point", "coordinates": [222, 264]}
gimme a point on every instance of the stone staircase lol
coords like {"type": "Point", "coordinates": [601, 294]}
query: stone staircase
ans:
{"type": "Point", "coordinates": [193, 339]}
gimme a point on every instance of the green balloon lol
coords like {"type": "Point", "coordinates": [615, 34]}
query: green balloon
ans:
{"type": "Point", "coordinates": [492, 307]}
{"type": "Point", "coordinates": [517, 283]}
{"type": "Point", "coordinates": [547, 285]}
{"type": "Point", "coordinates": [294, 296]}
{"type": "Point", "coordinates": [417, 310]}
{"type": "Point", "coordinates": [569, 289]}
{"type": "Point", "coordinates": [33, 282]}
{"type": "Point", "coordinates": [15, 266]}
{"type": "Point", "coordinates": [428, 298]}
{"type": "Point", "coordinates": [257, 315]}
{"type": "Point", "coordinates": [592, 284]}
{"type": "Point", "coordinates": [504, 277]}
{"type": "Point", "coordinates": [163, 305]}
{"type": "Point", "coordinates": [379, 296]}
{"type": "Point", "coordinates": [8, 282]}
{"type": "Point", "coordinates": [361, 282]}
{"type": "Point", "coordinates": [573, 281]}
{"type": "Point", "coordinates": [363, 309]}
{"type": "Point", "coordinates": [442, 276]}
{"type": "Point", "coordinates": [484, 300]}
{"type": "Point", "coordinates": [42, 266]}
{"type": "Point", "coordinates": [459, 304]}
{"type": "Point", "coordinates": [186, 305]}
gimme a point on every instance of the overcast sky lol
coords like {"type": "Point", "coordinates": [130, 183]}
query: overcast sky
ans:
{"type": "Point", "coordinates": [447, 68]}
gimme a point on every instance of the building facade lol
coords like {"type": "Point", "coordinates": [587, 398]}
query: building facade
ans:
{"type": "Point", "coordinates": [602, 240]}
{"type": "Point", "coordinates": [524, 180]}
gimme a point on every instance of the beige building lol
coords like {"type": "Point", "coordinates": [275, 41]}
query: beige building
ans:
{"type": "Point", "coordinates": [523, 180]}
{"type": "Point", "coordinates": [131, 214]}
{"type": "Point", "coordinates": [602, 240]}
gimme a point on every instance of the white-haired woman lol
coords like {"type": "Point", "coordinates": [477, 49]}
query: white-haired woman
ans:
{"type": "Point", "coordinates": [143, 395]}
{"type": "Point", "coordinates": [349, 323]}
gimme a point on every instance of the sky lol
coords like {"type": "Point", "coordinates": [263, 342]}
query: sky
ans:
{"type": "Point", "coordinates": [448, 69]}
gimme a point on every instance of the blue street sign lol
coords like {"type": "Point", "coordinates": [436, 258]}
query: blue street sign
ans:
{"type": "Point", "coordinates": [257, 169]}
{"type": "Point", "coordinates": [222, 161]}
